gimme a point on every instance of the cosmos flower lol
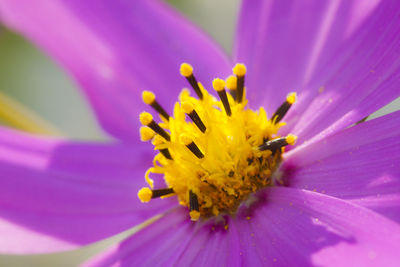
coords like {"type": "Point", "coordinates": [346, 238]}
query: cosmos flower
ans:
{"type": "Point", "coordinates": [332, 199]}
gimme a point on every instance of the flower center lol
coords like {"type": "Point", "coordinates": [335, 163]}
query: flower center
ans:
{"type": "Point", "coordinates": [213, 153]}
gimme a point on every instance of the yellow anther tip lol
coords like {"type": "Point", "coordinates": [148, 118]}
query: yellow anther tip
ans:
{"type": "Point", "coordinates": [218, 84]}
{"type": "Point", "coordinates": [145, 194]}
{"type": "Point", "coordinates": [146, 134]}
{"type": "Point", "coordinates": [194, 215]}
{"type": "Point", "coordinates": [186, 69]}
{"type": "Point", "coordinates": [185, 139]}
{"type": "Point", "coordinates": [158, 140]}
{"type": "Point", "coordinates": [239, 70]}
{"type": "Point", "coordinates": [145, 118]}
{"type": "Point", "coordinates": [291, 98]}
{"type": "Point", "coordinates": [231, 82]}
{"type": "Point", "coordinates": [187, 107]}
{"type": "Point", "coordinates": [291, 139]}
{"type": "Point", "coordinates": [148, 97]}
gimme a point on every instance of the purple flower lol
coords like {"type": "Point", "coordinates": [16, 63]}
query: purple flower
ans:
{"type": "Point", "coordinates": [340, 205]}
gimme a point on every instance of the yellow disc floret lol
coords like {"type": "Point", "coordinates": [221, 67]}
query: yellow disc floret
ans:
{"type": "Point", "coordinates": [213, 152]}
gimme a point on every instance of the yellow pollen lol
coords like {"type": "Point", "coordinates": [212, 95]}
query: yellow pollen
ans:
{"type": "Point", "coordinates": [185, 139]}
{"type": "Point", "coordinates": [157, 140]}
{"type": "Point", "coordinates": [186, 69]}
{"type": "Point", "coordinates": [146, 134]}
{"type": "Point", "coordinates": [148, 97]}
{"type": "Point", "coordinates": [231, 82]}
{"type": "Point", "coordinates": [239, 70]}
{"type": "Point", "coordinates": [213, 152]}
{"type": "Point", "coordinates": [291, 98]}
{"type": "Point", "coordinates": [194, 215]}
{"type": "Point", "coordinates": [218, 84]}
{"type": "Point", "coordinates": [145, 194]}
{"type": "Point", "coordinates": [291, 139]}
{"type": "Point", "coordinates": [187, 107]}
{"type": "Point", "coordinates": [145, 118]}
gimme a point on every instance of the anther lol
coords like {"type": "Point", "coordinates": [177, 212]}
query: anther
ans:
{"type": "Point", "coordinates": [278, 143]}
{"type": "Point", "coordinates": [147, 120]}
{"type": "Point", "coordinates": [193, 206]}
{"type": "Point", "coordinates": [188, 142]}
{"type": "Point", "coordinates": [284, 108]}
{"type": "Point", "coordinates": [219, 86]}
{"type": "Point", "coordinates": [146, 194]}
{"type": "Point", "coordinates": [188, 109]}
{"type": "Point", "coordinates": [186, 71]}
{"type": "Point", "coordinates": [231, 84]}
{"type": "Point", "coordinates": [239, 70]}
{"type": "Point", "coordinates": [146, 134]}
{"type": "Point", "coordinates": [164, 151]}
{"type": "Point", "coordinates": [150, 99]}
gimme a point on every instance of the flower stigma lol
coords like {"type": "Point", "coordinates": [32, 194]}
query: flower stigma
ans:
{"type": "Point", "coordinates": [213, 153]}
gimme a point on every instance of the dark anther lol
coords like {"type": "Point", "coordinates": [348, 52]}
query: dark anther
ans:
{"type": "Point", "coordinates": [240, 88]}
{"type": "Point", "coordinates": [193, 82]}
{"type": "Point", "coordinates": [195, 150]}
{"type": "Point", "coordinates": [156, 128]}
{"type": "Point", "coordinates": [193, 201]}
{"type": "Point", "coordinates": [281, 112]}
{"type": "Point", "coordinates": [166, 153]}
{"type": "Point", "coordinates": [196, 119]}
{"type": "Point", "coordinates": [225, 102]}
{"type": "Point", "coordinates": [274, 145]}
{"type": "Point", "coordinates": [161, 192]}
{"type": "Point", "coordinates": [157, 107]}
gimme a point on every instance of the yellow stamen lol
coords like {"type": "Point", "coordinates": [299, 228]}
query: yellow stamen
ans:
{"type": "Point", "coordinates": [231, 82]}
{"type": "Point", "coordinates": [145, 194]}
{"type": "Point", "coordinates": [185, 139]}
{"type": "Point", "coordinates": [148, 97]}
{"type": "Point", "coordinates": [187, 107]}
{"type": "Point", "coordinates": [239, 70]}
{"type": "Point", "coordinates": [146, 134]}
{"type": "Point", "coordinates": [218, 84]}
{"type": "Point", "coordinates": [291, 98]}
{"type": "Point", "coordinates": [186, 70]}
{"type": "Point", "coordinates": [145, 118]}
{"type": "Point", "coordinates": [194, 215]}
{"type": "Point", "coordinates": [291, 139]}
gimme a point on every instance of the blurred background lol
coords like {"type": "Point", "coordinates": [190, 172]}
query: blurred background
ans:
{"type": "Point", "coordinates": [34, 80]}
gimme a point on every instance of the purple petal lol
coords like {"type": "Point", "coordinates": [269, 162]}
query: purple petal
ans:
{"type": "Point", "coordinates": [342, 56]}
{"type": "Point", "coordinates": [116, 49]}
{"type": "Point", "coordinates": [292, 228]}
{"type": "Point", "coordinates": [57, 195]}
{"type": "Point", "coordinates": [174, 240]}
{"type": "Point", "coordinates": [157, 244]}
{"type": "Point", "coordinates": [360, 164]}
{"type": "Point", "coordinates": [303, 228]}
